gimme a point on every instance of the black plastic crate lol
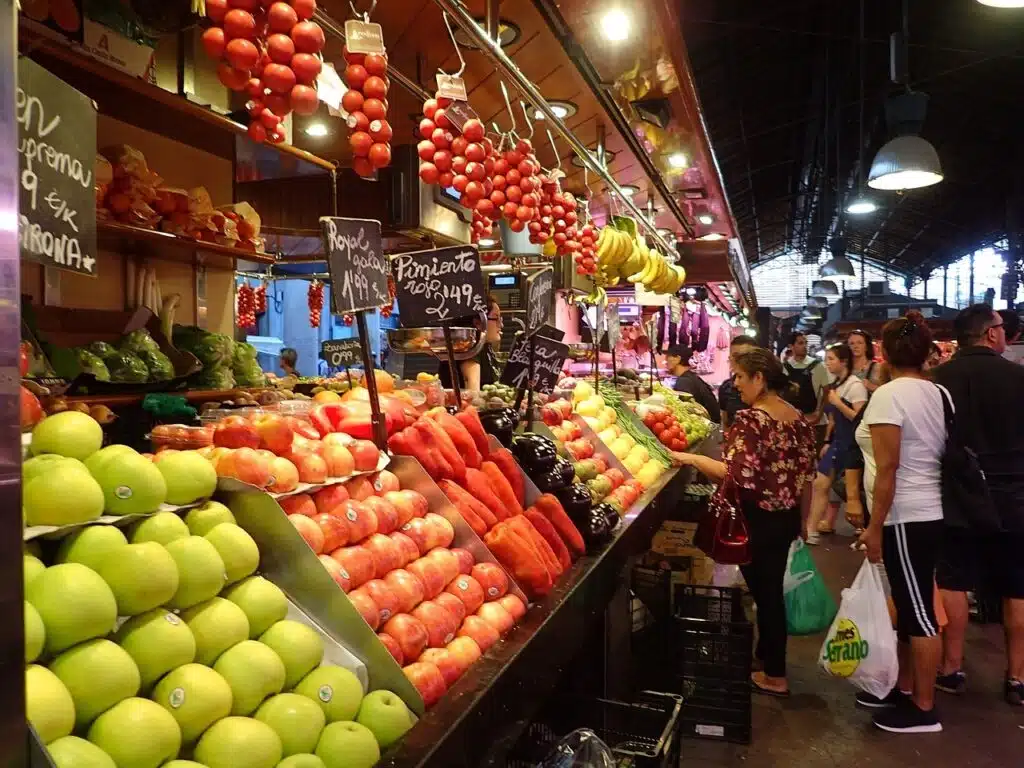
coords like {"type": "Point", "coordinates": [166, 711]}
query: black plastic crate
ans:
{"type": "Point", "coordinates": [694, 601]}
{"type": "Point", "coordinates": [652, 587]}
{"type": "Point", "coordinates": [641, 734]}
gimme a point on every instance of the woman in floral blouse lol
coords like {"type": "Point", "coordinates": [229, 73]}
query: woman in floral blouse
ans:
{"type": "Point", "coordinates": [770, 454]}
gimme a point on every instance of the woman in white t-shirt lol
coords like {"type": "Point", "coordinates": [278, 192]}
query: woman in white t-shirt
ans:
{"type": "Point", "coordinates": [846, 397]}
{"type": "Point", "coordinates": [902, 436]}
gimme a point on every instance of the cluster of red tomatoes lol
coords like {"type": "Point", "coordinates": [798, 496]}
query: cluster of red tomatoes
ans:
{"type": "Point", "coordinates": [260, 296]}
{"type": "Point", "coordinates": [559, 221]}
{"type": "Point", "coordinates": [271, 50]}
{"type": "Point", "coordinates": [366, 102]}
{"type": "Point", "coordinates": [315, 300]}
{"type": "Point", "coordinates": [245, 306]}
{"type": "Point", "coordinates": [667, 429]}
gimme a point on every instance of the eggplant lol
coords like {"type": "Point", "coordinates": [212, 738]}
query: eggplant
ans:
{"type": "Point", "coordinates": [594, 529]}
{"type": "Point", "coordinates": [557, 478]}
{"type": "Point", "coordinates": [535, 454]}
{"type": "Point", "coordinates": [610, 514]}
{"type": "Point", "coordinates": [576, 501]}
{"type": "Point", "coordinates": [496, 422]}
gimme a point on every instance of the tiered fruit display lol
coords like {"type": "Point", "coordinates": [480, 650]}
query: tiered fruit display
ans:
{"type": "Point", "coordinates": [690, 414]}
{"type": "Point", "coordinates": [366, 102]}
{"type": "Point", "coordinates": [625, 256]}
{"type": "Point", "coordinates": [270, 50]}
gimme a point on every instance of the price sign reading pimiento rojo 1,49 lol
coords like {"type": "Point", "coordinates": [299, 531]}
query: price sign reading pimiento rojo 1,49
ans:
{"type": "Point", "coordinates": [341, 353]}
{"type": "Point", "coordinates": [437, 286]}
{"type": "Point", "coordinates": [358, 266]}
{"type": "Point", "coordinates": [548, 358]}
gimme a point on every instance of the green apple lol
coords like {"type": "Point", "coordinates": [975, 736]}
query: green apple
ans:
{"type": "Point", "coordinates": [183, 764]}
{"type": "Point", "coordinates": [74, 603]}
{"type": "Point", "coordinates": [69, 433]}
{"type": "Point", "coordinates": [301, 761]}
{"type": "Point", "coordinates": [35, 633]}
{"type": "Point", "coordinates": [64, 495]}
{"type": "Point", "coordinates": [300, 647]}
{"type": "Point", "coordinates": [203, 518]}
{"type": "Point", "coordinates": [237, 549]}
{"type": "Point", "coordinates": [141, 576]}
{"type": "Point", "coordinates": [263, 602]}
{"type": "Point", "coordinates": [158, 641]}
{"type": "Point", "coordinates": [200, 571]}
{"type": "Point", "coordinates": [131, 483]}
{"type": "Point", "coordinates": [32, 566]}
{"type": "Point", "coordinates": [48, 705]}
{"type": "Point", "coordinates": [337, 690]}
{"type": "Point", "coordinates": [101, 457]}
{"type": "Point", "coordinates": [348, 745]}
{"type": "Point", "coordinates": [216, 624]}
{"type": "Point", "coordinates": [253, 671]}
{"type": "Point", "coordinates": [37, 465]}
{"type": "Point", "coordinates": [73, 752]}
{"type": "Point", "coordinates": [239, 742]}
{"type": "Point", "coordinates": [196, 696]}
{"type": "Point", "coordinates": [296, 719]}
{"type": "Point", "coordinates": [189, 477]}
{"type": "Point", "coordinates": [386, 715]}
{"type": "Point", "coordinates": [97, 674]}
{"type": "Point", "coordinates": [163, 528]}
{"type": "Point", "coordinates": [90, 545]}
{"type": "Point", "coordinates": [137, 733]}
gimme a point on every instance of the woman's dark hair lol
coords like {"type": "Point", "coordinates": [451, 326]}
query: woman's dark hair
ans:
{"type": "Point", "coordinates": [1011, 324]}
{"type": "Point", "coordinates": [869, 343]}
{"type": "Point", "coordinates": [289, 356]}
{"type": "Point", "coordinates": [762, 361]}
{"type": "Point", "coordinates": [843, 354]}
{"type": "Point", "coordinates": [907, 341]}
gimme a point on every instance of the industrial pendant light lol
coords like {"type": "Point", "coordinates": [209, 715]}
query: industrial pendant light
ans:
{"type": "Point", "coordinates": [838, 265]}
{"type": "Point", "coordinates": [811, 313]}
{"type": "Point", "coordinates": [861, 205]}
{"type": "Point", "coordinates": [1003, 3]}
{"type": "Point", "coordinates": [820, 302]}
{"type": "Point", "coordinates": [825, 288]}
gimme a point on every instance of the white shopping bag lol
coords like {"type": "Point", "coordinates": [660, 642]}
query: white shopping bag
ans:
{"type": "Point", "coordinates": [861, 643]}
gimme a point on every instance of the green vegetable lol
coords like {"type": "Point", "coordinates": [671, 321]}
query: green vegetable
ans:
{"type": "Point", "coordinates": [215, 378]}
{"type": "Point", "coordinates": [127, 368]}
{"type": "Point", "coordinates": [213, 349]}
{"type": "Point", "coordinates": [90, 362]}
{"type": "Point", "coordinates": [139, 341]}
{"type": "Point", "coordinates": [627, 421]}
{"type": "Point", "coordinates": [159, 365]}
{"type": "Point", "coordinates": [102, 349]}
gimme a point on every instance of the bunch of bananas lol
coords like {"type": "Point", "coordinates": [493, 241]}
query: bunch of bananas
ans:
{"type": "Point", "coordinates": [621, 256]}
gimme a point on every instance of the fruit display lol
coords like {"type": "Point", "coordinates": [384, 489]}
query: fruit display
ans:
{"type": "Point", "coordinates": [366, 102]}
{"type": "Point", "coordinates": [160, 640]}
{"type": "Point", "coordinates": [623, 255]}
{"type": "Point", "coordinates": [495, 396]}
{"type": "Point", "coordinates": [663, 411]}
{"type": "Point", "coordinates": [271, 51]}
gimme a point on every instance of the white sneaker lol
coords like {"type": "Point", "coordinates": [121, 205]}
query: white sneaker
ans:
{"type": "Point", "coordinates": [813, 539]}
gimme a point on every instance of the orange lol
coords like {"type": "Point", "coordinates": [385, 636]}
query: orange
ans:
{"type": "Point", "coordinates": [326, 396]}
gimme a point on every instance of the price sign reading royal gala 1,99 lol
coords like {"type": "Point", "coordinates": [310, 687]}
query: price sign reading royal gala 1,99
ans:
{"type": "Point", "coordinates": [435, 287]}
{"type": "Point", "coordinates": [358, 266]}
{"type": "Point", "coordinates": [539, 301]}
{"type": "Point", "coordinates": [56, 156]}
{"type": "Point", "coordinates": [549, 356]}
{"type": "Point", "coordinates": [341, 353]}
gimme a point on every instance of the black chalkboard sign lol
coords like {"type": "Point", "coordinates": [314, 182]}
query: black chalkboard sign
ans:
{"type": "Point", "coordinates": [341, 353]}
{"type": "Point", "coordinates": [437, 286]}
{"type": "Point", "coordinates": [539, 298]}
{"type": "Point", "coordinates": [56, 157]}
{"type": "Point", "coordinates": [549, 356]}
{"type": "Point", "coordinates": [356, 261]}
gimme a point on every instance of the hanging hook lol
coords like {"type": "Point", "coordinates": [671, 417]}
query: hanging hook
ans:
{"type": "Point", "coordinates": [508, 106]}
{"type": "Point", "coordinates": [558, 159]}
{"type": "Point", "coordinates": [458, 49]}
{"type": "Point", "coordinates": [366, 16]}
{"type": "Point", "coordinates": [526, 116]}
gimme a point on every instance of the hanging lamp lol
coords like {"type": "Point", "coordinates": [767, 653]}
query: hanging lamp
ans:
{"type": "Point", "coordinates": [861, 205]}
{"type": "Point", "coordinates": [838, 265]}
{"type": "Point", "coordinates": [825, 288]}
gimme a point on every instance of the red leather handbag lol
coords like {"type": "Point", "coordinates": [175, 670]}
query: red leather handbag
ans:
{"type": "Point", "coordinates": [722, 534]}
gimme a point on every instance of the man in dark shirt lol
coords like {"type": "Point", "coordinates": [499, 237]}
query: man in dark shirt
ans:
{"type": "Point", "coordinates": [729, 399]}
{"type": "Point", "coordinates": [986, 390]}
{"type": "Point", "coordinates": [687, 381]}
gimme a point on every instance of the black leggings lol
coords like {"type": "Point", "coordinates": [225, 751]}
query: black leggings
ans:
{"type": "Point", "coordinates": [771, 534]}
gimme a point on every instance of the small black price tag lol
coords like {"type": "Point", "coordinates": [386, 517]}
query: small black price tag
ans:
{"type": "Point", "coordinates": [356, 262]}
{"type": "Point", "coordinates": [437, 286]}
{"type": "Point", "coordinates": [549, 356]}
{"type": "Point", "coordinates": [539, 298]}
{"type": "Point", "coordinates": [341, 353]}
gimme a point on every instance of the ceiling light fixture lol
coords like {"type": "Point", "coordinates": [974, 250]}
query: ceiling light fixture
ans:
{"type": "Point", "coordinates": [1003, 3]}
{"type": "Point", "coordinates": [861, 205]}
{"type": "Point", "coordinates": [825, 288]}
{"type": "Point", "coordinates": [615, 25]}
{"type": "Point", "coordinates": [608, 158]}
{"type": "Point", "coordinates": [678, 160]}
{"type": "Point", "coordinates": [838, 265]}
{"type": "Point", "coordinates": [712, 236]}
{"type": "Point", "coordinates": [486, 242]}
{"type": "Point", "coordinates": [562, 110]}
{"type": "Point", "coordinates": [706, 219]}
{"type": "Point", "coordinates": [628, 190]}
{"type": "Point", "coordinates": [317, 130]}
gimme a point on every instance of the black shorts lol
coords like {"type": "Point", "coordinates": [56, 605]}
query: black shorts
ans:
{"type": "Point", "coordinates": [993, 563]}
{"type": "Point", "coordinates": [910, 552]}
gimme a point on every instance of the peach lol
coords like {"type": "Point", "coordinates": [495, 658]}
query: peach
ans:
{"type": "Point", "coordinates": [393, 647]}
{"type": "Point", "coordinates": [453, 605]}
{"type": "Point", "coordinates": [410, 551]}
{"type": "Point", "coordinates": [310, 531]}
{"type": "Point", "coordinates": [469, 591]}
{"type": "Point", "coordinates": [339, 574]}
{"type": "Point", "coordinates": [496, 616]}
{"type": "Point", "coordinates": [406, 588]}
{"type": "Point", "coordinates": [409, 632]}
{"type": "Point", "coordinates": [385, 482]}
{"type": "Point", "coordinates": [430, 575]}
{"type": "Point", "coordinates": [482, 633]}
{"type": "Point", "coordinates": [299, 504]}
{"type": "Point", "coordinates": [387, 515]}
{"type": "Point", "coordinates": [367, 608]}
{"type": "Point", "coordinates": [387, 556]}
{"type": "Point", "coordinates": [384, 598]}
{"type": "Point", "coordinates": [357, 562]}
{"type": "Point", "coordinates": [339, 460]}
{"type": "Point", "coordinates": [284, 477]}
{"type": "Point", "coordinates": [326, 499]}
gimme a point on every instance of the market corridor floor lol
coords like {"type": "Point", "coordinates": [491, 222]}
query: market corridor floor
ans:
{"type": "Point", "coordinates": [819, 726]}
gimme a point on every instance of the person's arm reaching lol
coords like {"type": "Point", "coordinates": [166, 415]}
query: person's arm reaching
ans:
{"type": "Point", "coordinates": [885, 443]}
{"type": "Point", "coordinates": [470, 375]}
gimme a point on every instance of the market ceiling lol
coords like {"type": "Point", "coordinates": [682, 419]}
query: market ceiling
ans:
{"type": "Point", "coordinates": [636, 69]}
{"type": "Point", "coordinates": [772, 75]}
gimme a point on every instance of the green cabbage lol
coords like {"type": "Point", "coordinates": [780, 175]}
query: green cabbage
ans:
{"type": "Point", "coordinates": [214, 378]}
{"type": "Point", "coordinates": [245, 368]}
{"type": "Point", "coordinates": [89, 362]}
{"type": "Point", "coordinates": [102, 349]}
{"type": "Point", "coordinates": [213, 349]}
{"type": "Point", "coordinates": [159, 365]}
{"type": "Point", "coordinates": [127, 368]}
{"type": "Point", "coordinates": [139, 341]}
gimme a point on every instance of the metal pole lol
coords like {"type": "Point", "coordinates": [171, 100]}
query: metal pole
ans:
{"type": "Point", "coordinates": [492, 23]}
{"type": "Point", "coordinates": [380, 433]}
{"type": "Point", "coordinates": [452, 368]}
{"type": "Point", "coordinates": [508, 69]}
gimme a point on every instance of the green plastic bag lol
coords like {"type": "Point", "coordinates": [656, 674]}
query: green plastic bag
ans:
{"type": "Point", "coordinates": [810, 607]}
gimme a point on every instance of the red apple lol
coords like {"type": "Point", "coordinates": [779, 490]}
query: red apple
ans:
{"type": "Point", "coordinates": [492, 578]}
{"type": "Point", "coordinates": [428, 681]}
{"type": "Point", "coordinates": [515, 606]}
{"type": "Point", "coordinates": [235, 432]}
{"type": "Point", "coordinates": [359, 488]}
{"type": "Point", "coordinates": [448, 562]}
{"type": "Point", "coordinates": [410, 551]}
{"type": "Point", "coordinates": [274, 432]}
{"type": "Point", "coordinates": [246, 465]}
{"type": "Point", "coordinates": [393, 647]}
{"type": "Point", "coordinates": [357, 562]}
{"type": "Point", "coordinates": [496, 616]}
{"type": "Point", "coordinates": [335, 530]}
{"type": "Point", "coordinates": [453, 605]}
{"type": "Point", "coordinates": [312, 468]}
{"type": "Point", "coordinates": [367, 608]}
{"type": "Point", "coordinates": [430, 575]}
{"type": "Point", "coordinates": [440, 623]}
{"type": "Point", "coordinates": [387, 556]}
{"type": "Point", "coordinates": [284, 477]}
{"type": "Point", "coordinates": [326, 499]}
{"type": "Point", "coordinates": [362, 522]}
{"type": "Point", "coordinates": [409, 632]}
{"type": "Point", "coordinates": [387, 515]}
{"type": "Point", "coordinates": [365, 455]}
{"type": "Point", "coordinates": [465, 651]}
{"type": "Point", "coordinates": [339, 574]}
{"type": "Point", "coordinates": [445, 531]}
{"type": "Point", "coordinates": [409, 504]}
{"type": "Point", "coordinates": [339, 460]}
{"type": "Point", "coordinates": [469, 591]}
{"type": "Point", "coordinates": [299, 504]}
{"type": "Point", "coordinates": [406, 588]}
{"type": "Point", "coordinates": [482, 633]}
{"type": "Point", "coordinates": [302, 428]}
{"type": "Point", "coordinates": [383, 597]}
{"type": "Point", "coordinates": [465, 558]}
{"type": "Point", "coordinates": [310, 531]}
{"type": "Point", "coordinates": [336, 438]}
{"type": "Point", "coordinates": [422, 533]}
{"type": "Point", "coordinates": [445, 662]}
{"type": "Point", "coordinates": [385, 482]}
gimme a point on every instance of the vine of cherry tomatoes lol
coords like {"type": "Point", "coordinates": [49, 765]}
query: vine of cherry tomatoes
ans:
{"type": "Point", "coordinates": [366, 102]}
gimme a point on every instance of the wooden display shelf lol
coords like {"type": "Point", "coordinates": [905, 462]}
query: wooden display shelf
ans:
{"type": "Point", "coordinates": [139, 103]}
{"type": "Point", "coordinates": [152, 243]}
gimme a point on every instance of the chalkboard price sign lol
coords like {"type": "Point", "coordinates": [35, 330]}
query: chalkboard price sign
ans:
{"type": "Point", "coordinates": [437, 286]}
{"type": "Point", "coordinates": [341, 353]}
{"type": "Point", "coordinates": [56, 156]}
{"type": "Point", "coordinates": [539, 301]}
{"type": "Point", "coordinates": [549, 356]}
{"type": "Point", "coordinates": [356, 261]}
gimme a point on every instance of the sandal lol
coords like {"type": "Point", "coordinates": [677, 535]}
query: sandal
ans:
{"type": "Point", "coordinates": [757, 688]}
